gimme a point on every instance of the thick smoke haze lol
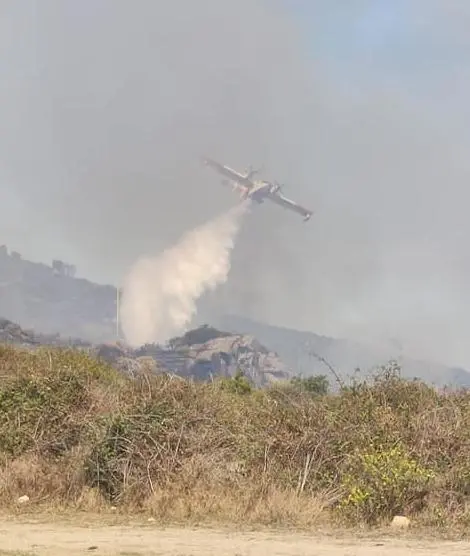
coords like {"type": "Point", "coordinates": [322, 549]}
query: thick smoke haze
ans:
{"type": "Point", "coordinates": [107, 107]}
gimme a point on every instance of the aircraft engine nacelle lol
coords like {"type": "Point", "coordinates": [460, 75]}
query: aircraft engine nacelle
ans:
{"type": "Point", "coordinates": [258, 195]}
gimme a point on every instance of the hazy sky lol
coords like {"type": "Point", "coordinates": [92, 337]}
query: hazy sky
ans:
{"type": "Point", "coordinates": [359, 106]}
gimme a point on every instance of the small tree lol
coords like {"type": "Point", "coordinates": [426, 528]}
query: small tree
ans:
{"type": "Point", "coordinates": [238, 384]}
{"type": "Point", "coordinates": [317, 384]}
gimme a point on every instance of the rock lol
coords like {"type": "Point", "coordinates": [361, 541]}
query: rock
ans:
{"type": "Point", "coordinates": [23, 499]}
{"type": "Point", "coordinates": [12, 333]}
{"type": "Point", "coordinates": [400, 522]}
{"type": "Point", "coordinates": [110, 352]}
{"type": "Point", "coordinates": [221, 354]}
{"type": "Point", "coordinates": [225, 355]}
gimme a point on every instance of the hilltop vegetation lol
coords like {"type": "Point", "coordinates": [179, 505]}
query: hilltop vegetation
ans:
{"type": "Point", "coordinates": [76, 433]}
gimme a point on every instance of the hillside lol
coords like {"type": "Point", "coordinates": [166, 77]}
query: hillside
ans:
{"type": "Point", "coordinates": [49, 299]}
{"type": "Point", "coordinates": [303, 351]}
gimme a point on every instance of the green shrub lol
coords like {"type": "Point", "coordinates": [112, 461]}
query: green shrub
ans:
{"type": "Point", "coordinates": [238, 384]}
{"type": "Point", "coordinates": [42, 396]}
{"type": "Point", "coordinates": [317, 384]}
{"type": "Point", "coordinates": [381, 483]}
{"type": "Point", "coordinates": [129, 446]}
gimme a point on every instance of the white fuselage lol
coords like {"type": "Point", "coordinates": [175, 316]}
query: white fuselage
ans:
{"type": "Point", "coordinates": [259, 191]}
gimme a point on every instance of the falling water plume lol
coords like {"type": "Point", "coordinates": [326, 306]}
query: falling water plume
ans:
{"type": "Point", "coordinates": [160, 292]}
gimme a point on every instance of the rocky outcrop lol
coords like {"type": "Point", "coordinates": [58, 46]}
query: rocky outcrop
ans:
{"type": "Point", "coordinates": [206, 352]}
{"type": "Point", "coordinates": [11, 333]}
{"type": "Point", "coordinates": [224, 356]}
{"type": "Point", "coordinates": [202, 353]}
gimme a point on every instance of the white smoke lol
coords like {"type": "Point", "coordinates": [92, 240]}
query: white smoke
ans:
{"type": "Point", "coordinates": [160, 293]}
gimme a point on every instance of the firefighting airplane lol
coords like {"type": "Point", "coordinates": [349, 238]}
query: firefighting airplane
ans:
{"type": "Point", "coordinates": [256, 190]}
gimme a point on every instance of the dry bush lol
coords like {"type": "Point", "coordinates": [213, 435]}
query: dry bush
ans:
{"type": "Point", "coordinates": [76, 433]}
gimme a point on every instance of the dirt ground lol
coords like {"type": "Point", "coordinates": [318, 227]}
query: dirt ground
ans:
{"type": "Point", "coordinates": [60, 539]}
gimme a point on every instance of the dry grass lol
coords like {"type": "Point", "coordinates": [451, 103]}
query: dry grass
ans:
{"type": "Point", "coordinates": [77, 435]}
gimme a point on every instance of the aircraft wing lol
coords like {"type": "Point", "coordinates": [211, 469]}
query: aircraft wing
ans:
{"type": "Point", "coordinates": [229, 173]}
{"type": "Point", "coordinates": [288, 204]}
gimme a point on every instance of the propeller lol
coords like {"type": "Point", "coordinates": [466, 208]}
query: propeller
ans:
{"type": "Point", "coordinates": [279, 186]}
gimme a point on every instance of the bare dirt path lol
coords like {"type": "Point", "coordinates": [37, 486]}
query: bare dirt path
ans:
{"type": "Point", "coordinates": [62, 539]}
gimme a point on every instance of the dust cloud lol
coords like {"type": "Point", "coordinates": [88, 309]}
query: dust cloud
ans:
{"type": "Point", "coordinates": [160, 292]}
